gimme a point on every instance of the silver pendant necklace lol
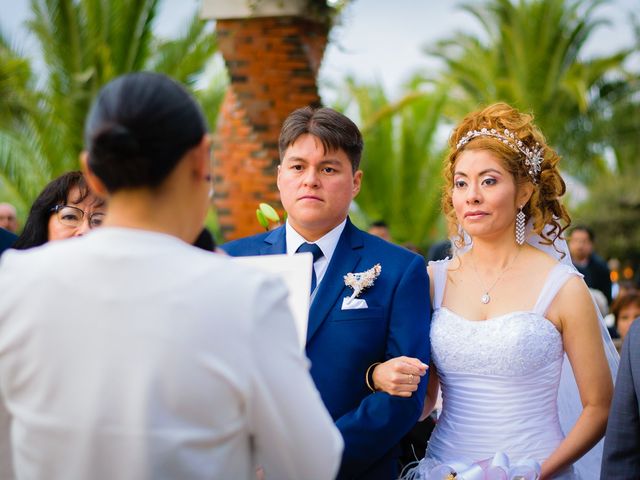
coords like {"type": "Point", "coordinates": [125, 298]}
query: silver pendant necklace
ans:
{"type": "Point", "coordinates": [486, 298]}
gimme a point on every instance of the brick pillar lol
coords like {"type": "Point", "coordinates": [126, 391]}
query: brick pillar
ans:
{"type": "Point", "coordinates": [273, 63]}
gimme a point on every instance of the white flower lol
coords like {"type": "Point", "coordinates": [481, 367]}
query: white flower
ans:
{"type": "Point", "coordinates": [362, 280]}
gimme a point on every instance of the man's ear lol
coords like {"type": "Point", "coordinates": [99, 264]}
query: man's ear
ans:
{"type": "Point", "coordinates": [278, 176]}
{"type": "Point", "coordinates": [95, 184]}
{"type": "Point", "coordinates": [357, 182]}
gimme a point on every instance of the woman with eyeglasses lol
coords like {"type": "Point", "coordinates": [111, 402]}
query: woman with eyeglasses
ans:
{"type": "Point", "coordinates": [65, 208]}
{"type": "Point", "coordinates": [130, 354]}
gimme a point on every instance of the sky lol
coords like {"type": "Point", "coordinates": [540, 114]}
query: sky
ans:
{"type": "Point", "coordinates": [381, 40]}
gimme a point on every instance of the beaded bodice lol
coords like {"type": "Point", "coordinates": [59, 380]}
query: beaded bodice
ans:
{"type": "Point", "coordinates": [515, 344]}
{"type": "Point", "coordinates": [499, 379]}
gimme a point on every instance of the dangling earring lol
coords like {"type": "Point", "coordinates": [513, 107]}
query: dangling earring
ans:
{"type": "Point", "coordinates": [520, 218]}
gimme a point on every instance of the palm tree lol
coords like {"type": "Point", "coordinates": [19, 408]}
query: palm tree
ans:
{"type": "Point", "coordinates": [530, 55]}
{"type": "Point", "coordinates": [15, 84]}
{"type": "Point", "coordinates": [85, 44]}
{"type": "Point", "coordinates": [402, 160]}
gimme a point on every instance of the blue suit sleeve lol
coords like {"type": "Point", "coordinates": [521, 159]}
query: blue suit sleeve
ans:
{"type": "Point", "coordinates": [381, 420]}
{"type": "Point", "coordinates": [621, 455]}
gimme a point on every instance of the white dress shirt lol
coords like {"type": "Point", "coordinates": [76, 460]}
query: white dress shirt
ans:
{"type": "Point", "coordinates": [128, 354]}
{"type": "Point", "coordinates": [327, 244]}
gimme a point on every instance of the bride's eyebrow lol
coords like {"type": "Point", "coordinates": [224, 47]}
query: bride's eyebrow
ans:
{"type": "Point", "coordinates": [483, 172]}
{"type": "Point", "coordinates": [490, 170]}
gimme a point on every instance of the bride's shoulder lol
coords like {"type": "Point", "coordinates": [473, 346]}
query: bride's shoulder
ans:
{"type": "Point", "coordinates": [540, 257]}
{"type": "Point", "coordinates": [543, 263]}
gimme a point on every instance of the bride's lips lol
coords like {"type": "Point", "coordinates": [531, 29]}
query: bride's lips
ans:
{"type": "Point", "coordinates": [476, 214]}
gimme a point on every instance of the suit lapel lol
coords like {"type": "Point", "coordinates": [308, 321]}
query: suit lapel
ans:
{"type": "Point", "coordinates": [275, 243]}
{"type": "Point", "coordinates": [344, 260]}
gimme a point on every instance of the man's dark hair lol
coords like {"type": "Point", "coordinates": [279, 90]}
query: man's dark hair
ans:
{"type": "Point", "coordinates": [56, 192]}
{"type": "Point", "coordinates": [335, 131]}
{"type": "Point", "coordinates": [583, 228]}
{"type": "Point", "coordinates": [138, 129]}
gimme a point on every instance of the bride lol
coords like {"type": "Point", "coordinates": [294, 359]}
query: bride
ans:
{"type": "Point", "coordinates": [508, 308]}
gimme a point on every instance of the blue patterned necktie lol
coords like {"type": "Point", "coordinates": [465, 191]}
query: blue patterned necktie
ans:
{"type": "Point", "coordinates": [317, 253]}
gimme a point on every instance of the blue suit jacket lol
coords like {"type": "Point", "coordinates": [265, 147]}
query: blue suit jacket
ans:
{"type": "Point", "coordinates": [621, 455]}
{"type": "Point", "coordinates": [342, 344]}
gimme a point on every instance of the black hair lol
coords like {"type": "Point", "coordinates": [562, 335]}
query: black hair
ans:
{"type": "Point", "coordinates": [138, 129]}
{"type": "Point", "coordinates": [583, 228]}
{"type": "Point", "coordinates": [335, 131]}
{"type": "Point", "coordinates": [56, 192]}
{"type": "Point", "coordinates": [205, 241]}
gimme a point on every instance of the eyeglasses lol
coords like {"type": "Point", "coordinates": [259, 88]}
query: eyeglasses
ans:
{"type": "Point", "coordinates": [74, 216]}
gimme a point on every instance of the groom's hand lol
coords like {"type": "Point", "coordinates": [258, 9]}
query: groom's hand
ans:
{"type": "Point", "coordinates": [399, 376]}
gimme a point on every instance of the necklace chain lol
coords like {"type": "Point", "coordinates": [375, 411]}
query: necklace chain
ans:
{"type": "Point", "coordinates": [486, 298]}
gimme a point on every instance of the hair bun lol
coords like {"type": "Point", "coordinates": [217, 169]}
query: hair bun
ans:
{"type": "Point", "coordinates": [139, 128]}
{"type": "Point", "coordinates": [115, 141]}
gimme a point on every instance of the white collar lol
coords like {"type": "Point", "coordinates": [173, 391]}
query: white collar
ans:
{"type": "Point", "coordinates": [327, 243]}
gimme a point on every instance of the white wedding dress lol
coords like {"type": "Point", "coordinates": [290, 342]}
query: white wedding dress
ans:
{"type": "Point", "coordinates": [499, 379]}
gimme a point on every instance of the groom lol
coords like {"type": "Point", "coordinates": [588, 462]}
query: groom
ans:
{"type": "Point", "coordinates": [318, 176]}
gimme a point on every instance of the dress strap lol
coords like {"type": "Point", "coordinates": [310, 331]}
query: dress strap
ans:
{"type": "Point", "coordinates": [558, 276]}
{"type": "Point", "coordinates": [439, 272]}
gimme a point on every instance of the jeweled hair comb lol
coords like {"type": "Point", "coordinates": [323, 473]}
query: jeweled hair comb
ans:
{"type": "Point", "coordinates": [532, 156]}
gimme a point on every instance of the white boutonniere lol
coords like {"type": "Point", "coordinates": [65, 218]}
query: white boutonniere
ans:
{"type": "Point", "coordinates": [360, 281]}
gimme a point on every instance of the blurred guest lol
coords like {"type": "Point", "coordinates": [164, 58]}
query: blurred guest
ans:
{"type": "Point", "coordinates": [128, 353]}
{"type": "Point", "coordinates": [6, 239]}
{"type": "Point", "coordinates": [8, 217]}
{"type": "Point", "coordinates": [625, 309]}
{"type": "Point", "coordinates": [626, 286]}
{"type": "Point", "coordinates": [621, 456]}
{"type": "Point", "coordinates": [595, 270]}
{"type": "Point", "coordinates": [439, 251]}
{"type": "Point", "coordinates": [380, 229]}
{"type": "Point", "coordinates": [65, 208]}
{"type": "Point", "coordinates": [412, 247]}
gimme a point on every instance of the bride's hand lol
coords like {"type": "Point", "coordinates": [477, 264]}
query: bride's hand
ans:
{"type": "Point", "coordinates": [399, 376]}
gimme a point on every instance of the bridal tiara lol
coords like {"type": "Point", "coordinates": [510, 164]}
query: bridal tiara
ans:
{"type": "Point", "coordinates": [532, 156]}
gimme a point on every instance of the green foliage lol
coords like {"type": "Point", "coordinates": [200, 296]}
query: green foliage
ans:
{"type": "Point", "coordinates": [15, 85]}
{"type": "Point", "coordinates": [401, 161]}
{"type": "Point", "coordinates": [613, 211]}
{"type": "Point", "coordinates": [530, 55]}
{"type": "Point", "coordinates": [85, 44]}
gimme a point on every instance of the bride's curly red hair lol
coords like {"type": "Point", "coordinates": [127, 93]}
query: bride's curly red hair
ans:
{"type": "Point", "coordinates": [544, 206]}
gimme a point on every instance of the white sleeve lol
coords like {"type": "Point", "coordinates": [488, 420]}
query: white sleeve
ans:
{"type": "Point", "coordinates": [6, 469]}
{"type": "Point", "coordinates": [6, 463]}
{"type": "Point", "coordinates": [294, 435]}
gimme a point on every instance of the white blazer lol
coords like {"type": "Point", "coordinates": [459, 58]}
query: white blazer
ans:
{"type": "Point", "coordinates": [128, 354]}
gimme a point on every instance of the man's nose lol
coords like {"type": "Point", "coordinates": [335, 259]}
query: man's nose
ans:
{"type": "Point", "coordinates": [311, 177]}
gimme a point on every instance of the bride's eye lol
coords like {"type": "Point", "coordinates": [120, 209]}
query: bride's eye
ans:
{"type": "Point", "coordinates": [489, 181]}
{"type": "Point", "coordinates": [459, 183]}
